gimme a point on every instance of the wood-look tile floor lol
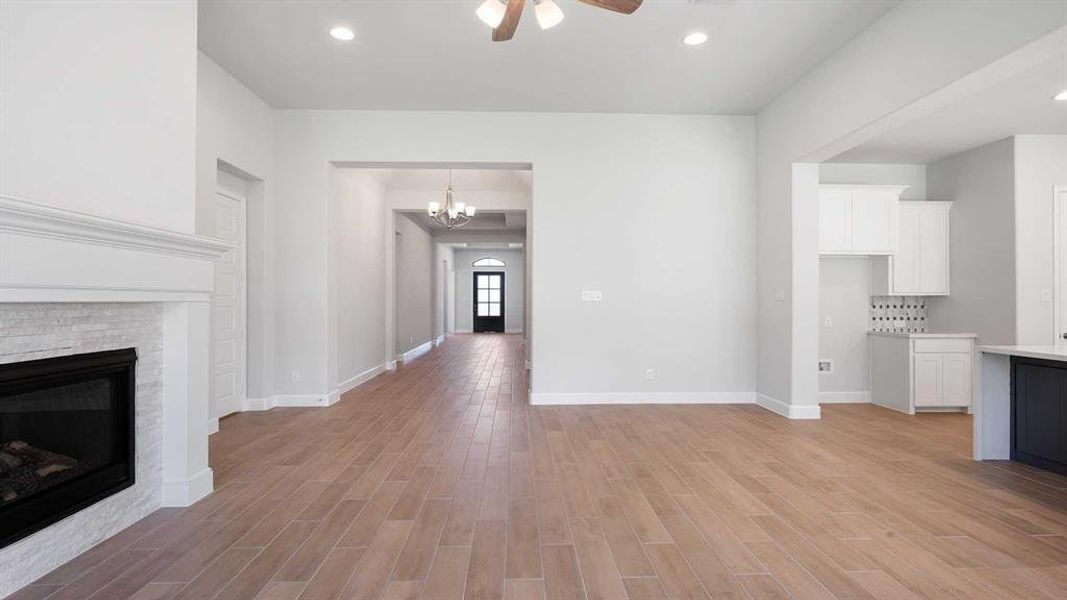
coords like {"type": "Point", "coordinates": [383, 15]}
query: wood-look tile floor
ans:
{"type": "Point", "coordinates": [438, 481]}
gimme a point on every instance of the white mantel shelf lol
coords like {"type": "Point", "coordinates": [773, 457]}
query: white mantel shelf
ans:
{"type": "Point", "coordinates": [50, 254]}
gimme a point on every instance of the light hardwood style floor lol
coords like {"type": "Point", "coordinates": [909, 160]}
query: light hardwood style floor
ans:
{"type": "Point", "coordinates": [438, 481]}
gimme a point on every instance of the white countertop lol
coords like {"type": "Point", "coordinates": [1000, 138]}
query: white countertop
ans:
{"type": "Point", "coordinates": [1047, 352]}
{"type": "Point", "coordinates": [923, 335]}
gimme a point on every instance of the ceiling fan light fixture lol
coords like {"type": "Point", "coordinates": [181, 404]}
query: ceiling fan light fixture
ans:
{"type": "Point", "coordinates": [491, 12]}
{"type": "Point", "coordinates": [1062, 96]}
{"type": "Point", "coordinates": [548, 13]}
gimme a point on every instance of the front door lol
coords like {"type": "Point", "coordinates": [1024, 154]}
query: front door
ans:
{"type": "Point", "coordinates": [488, 302]}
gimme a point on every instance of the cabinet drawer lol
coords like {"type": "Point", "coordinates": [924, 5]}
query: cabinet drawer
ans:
{"type": "Point", "coordinates": [941, 345]}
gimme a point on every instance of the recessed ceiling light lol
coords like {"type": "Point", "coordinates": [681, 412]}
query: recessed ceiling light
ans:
{"type": "Point", "coordinates": [1062, 96]}
{"type": "Point", "coordinates": [342, 33]}
{"type": "Point", "coordinates": [695, 39]}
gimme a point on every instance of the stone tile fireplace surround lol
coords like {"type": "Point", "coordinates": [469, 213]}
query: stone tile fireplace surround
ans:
{"type": "Point", "coordinates": [72, 283]}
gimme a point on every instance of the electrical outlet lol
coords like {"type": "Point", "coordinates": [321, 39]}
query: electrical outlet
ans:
{"type": "Point", "coordinates": [590, 295]}
{"type": "Point", "coordinates": [779, 295]}
{"type": "Point", "coordinates": [1046, 295]}
{"type": "Point", "coordinates": [828, 321]}
{"type": "Point", "coordinates": [650, 374]}
{"type": "Point", "coordinates": [295, 376]}
{"type": "Point", "coordinates": [826, 366]}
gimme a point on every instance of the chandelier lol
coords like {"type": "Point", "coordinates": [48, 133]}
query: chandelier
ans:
{"type": "Point", "coordinates": [453, 214]}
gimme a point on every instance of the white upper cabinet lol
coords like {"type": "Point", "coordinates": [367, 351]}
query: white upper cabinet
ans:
{"type": "Point", "coordinates": [920, 266]}
{"type": "Point", "coordinates": [858, 219]}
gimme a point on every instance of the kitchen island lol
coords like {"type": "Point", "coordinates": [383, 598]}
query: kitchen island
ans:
{"type": "Point", "coordinates": [1020, 410]}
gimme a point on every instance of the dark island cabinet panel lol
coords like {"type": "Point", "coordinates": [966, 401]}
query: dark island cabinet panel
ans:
{"type": "Point", "coordinates": [1039, 413]}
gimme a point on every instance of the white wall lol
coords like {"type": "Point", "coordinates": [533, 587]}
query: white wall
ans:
{"type": "Point", "coordinates": [359, 264]}
{"type": "Point", "coordinates": [514, 286]}
{"type": "Point", "coordinates": [845, 298]}
{"type": "Point", "coordinates": [235, 131]}
{"type": "Point", "coordinates": [912, 52]}
{"type": "Point", "coordinates": [678, 281]}
{"type": "Point", "coordinates": [981, 184]}
{"type": "Point", "coordinates": [98, 107]}
{"type": "Point", "coordinates": [1040, 165]}
{"type": "Point", "coordinates": [414, 285]}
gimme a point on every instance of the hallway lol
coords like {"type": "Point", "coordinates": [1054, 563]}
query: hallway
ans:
{"type": "Point", "coordinates": [439, 481]}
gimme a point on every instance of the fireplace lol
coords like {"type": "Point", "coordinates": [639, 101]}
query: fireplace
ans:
{"type": "Point", "coordinates": [66, 437]}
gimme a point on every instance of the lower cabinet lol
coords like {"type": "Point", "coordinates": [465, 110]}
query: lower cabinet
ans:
{"type": "Point", "coordinates": [941, 379]}
{"type": "Point", "coordinates": [1039, 413]}
{"type": "Point", "coordinates": [919, 372]}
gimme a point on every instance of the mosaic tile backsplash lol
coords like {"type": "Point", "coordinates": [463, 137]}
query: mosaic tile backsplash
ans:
{"type": "Point", "coordinates": [898, 314]}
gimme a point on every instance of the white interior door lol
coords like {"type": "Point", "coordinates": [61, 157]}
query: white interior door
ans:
{"type": "Point", "coordinates": [1061, 264]}
{"type": "Point", "coordinates": [228, 310]}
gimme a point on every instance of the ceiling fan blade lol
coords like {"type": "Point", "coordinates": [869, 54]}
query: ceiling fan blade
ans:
{"type": "Point", "coordinates": [619, 6]}
{"type": "Point", "coordinates": [506, 29]}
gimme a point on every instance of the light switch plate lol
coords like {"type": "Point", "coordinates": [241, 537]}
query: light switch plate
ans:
{"type": "Point", "coordinates": [590, 295]}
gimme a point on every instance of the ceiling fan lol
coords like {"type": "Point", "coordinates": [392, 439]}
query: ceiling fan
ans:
{"type": "Point", "coordinates": [503, 16]}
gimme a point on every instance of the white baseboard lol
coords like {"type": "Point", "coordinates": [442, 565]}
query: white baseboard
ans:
{"type": "Point", "coordinates": [552, 399]}
{"type": "Point", "coordinates": [845, 397]}
{"type": "Point", "coordinates": [390, 366]}
{"type": "Point", "coordinates": [519, 330]}
{"type": "Point", "coordinates": [416, 352]}
{"type": "Point", "coordinates": [185, 492]}
{"type": "Point", "coordinates": [362, 378]}
{"type": "Point", "coordinates": [288, 400]}
{"type": "Point", "coordinates": [212, 426]}
{"type": "Point", "coordinates": [440, 340]}
{"type": "Point", "coordinates": [464, 331]}
{"type": "Point", "coordinates": [789, 411]}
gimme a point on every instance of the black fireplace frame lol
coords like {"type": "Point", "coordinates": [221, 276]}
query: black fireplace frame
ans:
{"type": "Point", "coordinates": [27, 516]}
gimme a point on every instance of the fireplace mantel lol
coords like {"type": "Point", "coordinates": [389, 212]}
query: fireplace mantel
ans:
{"type": "Point", "coordinates": [52, 254]}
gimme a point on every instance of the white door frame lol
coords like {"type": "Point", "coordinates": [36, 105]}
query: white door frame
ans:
{"type": "Point", "coordinates": [1059, 209]}
{"type": "Point", "coordinates": [241, 308]}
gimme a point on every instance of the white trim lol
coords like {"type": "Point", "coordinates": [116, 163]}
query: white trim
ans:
{"type": "Point", "coordinates": [212, 426]}
{"type": "Point", "coordinates": [845, 397]}
{"type": "Point", "coordinates": [416, 352]}
{"type": "Point", "coordinates": [257, 404]}
{"type": "Point", "coordinates": [17, 292]}
{"type": "Point", "coordinates": [1057, 250]}
{"type": "Point", "coordinates": [390, 366]}
{"type": "Point", "coordinates": [519, 330]}
{"type": "Point", "coordinates": [25, 217]}
{"type": "Point", "coordinates": [440, 340]}
{"type": "Point", "coordinates": [185, 492]}
{"type": "Point", "coordinates": [463, 331]}
{"type": "Point", "coordinates": [580, 398]}
{"type": "Point", "coordinates": [789, 411]}
{"type": "Point", "coordinates": [361, 378]}
{"type": "Point", "coordinates": [527, 365]}
{"type": "Point", "coordinates": [301, 400]}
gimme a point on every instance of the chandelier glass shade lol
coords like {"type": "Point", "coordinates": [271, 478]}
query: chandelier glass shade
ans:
{"type": "Point", "coordinates": [453, 214]}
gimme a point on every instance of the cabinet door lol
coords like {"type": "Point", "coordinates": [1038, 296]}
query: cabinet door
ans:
{"type": "Point", "coordinates": [835, 227]}
{"type": "Point", "coordinates": [926, 379]}
{"type": "Point", "coordinates": [906, 266]}
{"type": "Point", "coordinates": [956, 379]}
{"type": "Point", "coordinates": [933, 251]}
{"type": "Point", "coordinates": [874, 222]}
{"type": "Point", "coordinates": [1038, 405]}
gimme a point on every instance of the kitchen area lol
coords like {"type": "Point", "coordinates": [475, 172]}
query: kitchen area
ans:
{"type": "Point", "coordinates": [943, 269]}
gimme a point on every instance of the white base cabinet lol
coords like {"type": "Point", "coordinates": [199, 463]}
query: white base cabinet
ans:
{"type": "Point", "coordinates": [920, 267]}
{"type": "Point", "coordinates": [916, 372]}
